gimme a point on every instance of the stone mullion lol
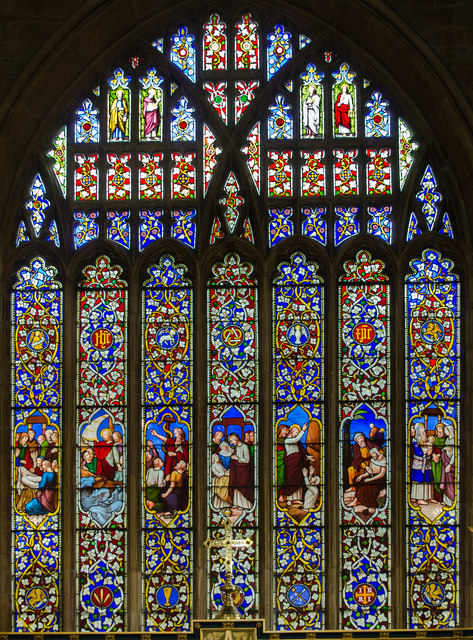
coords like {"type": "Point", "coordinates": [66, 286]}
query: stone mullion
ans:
{"type": "Point", "coordinates": [134, 460]}
{"type": "Point", "coordinates": [398, 455]}
{"type": "Point", "coordinates": [6, 495]}
{"type": "Point", "coordinates": [200, 445]}
{"type": "Point", "coordinates": [266, 446]}
{"type": "Point", "coordinates": [68, 469]}
{"type": "Point", "coordinates": [331, 454]}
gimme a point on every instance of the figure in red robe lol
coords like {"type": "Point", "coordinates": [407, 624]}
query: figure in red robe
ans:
{"type": "Point", "coordinates": [344, 110]}
{"type": "Point", "coordinates": [175, 449]}
{"type": "Point", "coordinates": [105, 454]}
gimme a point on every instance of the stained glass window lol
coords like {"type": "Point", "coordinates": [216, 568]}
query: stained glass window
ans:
{"type": "Point", "coordinates": [225, 159]}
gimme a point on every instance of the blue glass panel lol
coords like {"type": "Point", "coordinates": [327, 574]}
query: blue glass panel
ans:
{"type": "Point", "coordinates": [348, 225]}
{"type": "Point", "coordinates": [183, 52]}
{"type": "Point", "coordinates": [280, 226]}
{"type": "Point", "coordinates": [314, 225]}
{"type": "Point", "coordinates": [279, 50]}
{"type": "Point", "coordinates": [183, 122]}
{"type": "Point", "coordinates": [87, 127]}
{"type": "Point", "coordinates": [119, 229]}
{"type": "Point", "coordinates": [280, 125]}
{"type": "Point", "coordinates": [86, 227]}
{"type": "Point", "coordinates": [151, 228]}
{"type": "Point", "coordinates": [38, 204]}
{"type": "Point", "coordinates": [377, 119]}
{"type": "Point", "coordinates": [183, 228]}
{"type": "Point", "coordinates": [379, 223]}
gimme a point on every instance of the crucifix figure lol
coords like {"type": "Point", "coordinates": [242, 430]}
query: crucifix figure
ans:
{"type": "Point", "coordinates": [228, 611]}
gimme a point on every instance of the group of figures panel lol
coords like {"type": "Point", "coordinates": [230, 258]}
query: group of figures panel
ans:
{"type": "Point", "coordinates": [298, 463]}
{"type": "Point", "coordinates": [364, 463]}
{"type": "Point", "coordinates": [167, 465]}
{"type": "Point", "coordinates": [37, 458]}
{"type": "Point", "coordinates": [232, 453]}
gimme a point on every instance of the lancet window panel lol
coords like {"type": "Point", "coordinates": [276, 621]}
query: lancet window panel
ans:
{"type": "Point", "coordinates": [167, 335]}
{"type": "Point", "coordinates": [101, 446]}
{"type": "Point", "coordinates": [365, 443]}
{"type": "Point", "coordinates": [37, 401]}
{"type": "Point", "coordinates": [298, 441]}
{"type": "Point", "coordinates": [432, 339]}
{"type": "Point", "coordinates": [233, 395]}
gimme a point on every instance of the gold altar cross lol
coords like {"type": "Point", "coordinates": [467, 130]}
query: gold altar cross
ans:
{"type": "Point", "coordinates": [228, 543]}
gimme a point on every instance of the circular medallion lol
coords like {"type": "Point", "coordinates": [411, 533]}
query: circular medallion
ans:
{"type": "Point", "coordinates": [432, 332]}
{"type": "Point", "coordinates": [37, 598]}
{"type": "Point", "coordinates": [101, 597]}
{"type": "Point", "coordinates": [118, 180]}
{"type": "Point", "coordinates": [37, 340]}
{"type": "Point", "coordinates": [101, 339]}
{"type": "Point", "coordinates": [167, 337]}
{"type": "Point", "coordinates": [377, 119]}
{"type": "Point", "coordinates": [232, 336]}
{"type": "Point", "coordinates": [215, 46]}
{"type": "Point", "coordinates": [297, 334]}
{"type": "Point", "coordinates": [298, 595]}
{"type": "Point", "coordinates": [279, 122]}
{"type": "Point", "coordinates": [363, 333]}
{"type": "Point", "coordinates": [167, 596]}
{"type": "Point", "coordinates": [151, 179]}
{"type": "Point", "coordinates": [246, 46]}
{"type": "Point", "coordinates": [433, 594]}
{"type": "Point", "coordinates": [86, 126]}
{"type": "Point", "coordinates": [364, 594]}
{"type": "Point", "coordinates": [182, 125]}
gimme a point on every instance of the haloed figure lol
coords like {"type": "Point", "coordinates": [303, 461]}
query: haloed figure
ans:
{"type": "Point", "coordinates": [118, 117]}
{"type": "Point", "coordinates": [311, 113]}
{"type": "Point", "coordinates": [151, 114]}
{"type": "Point", "coordinates": [344, 111]}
